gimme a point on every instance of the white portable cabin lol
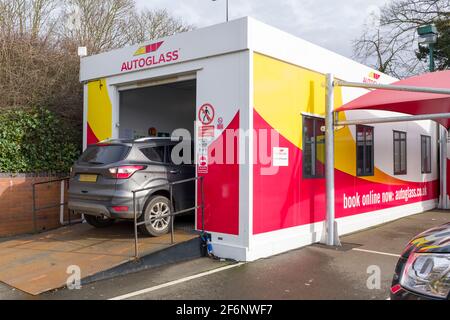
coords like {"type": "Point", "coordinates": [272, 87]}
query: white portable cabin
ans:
{"type": "Point", "coordinates": [253, 97]}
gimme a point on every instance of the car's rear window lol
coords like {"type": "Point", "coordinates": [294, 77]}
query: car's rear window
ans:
{"type": "Point", "coordinates": [104, 154]}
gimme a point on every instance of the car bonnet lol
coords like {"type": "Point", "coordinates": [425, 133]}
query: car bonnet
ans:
{"type": "Point", "coordinates": [435, 240]}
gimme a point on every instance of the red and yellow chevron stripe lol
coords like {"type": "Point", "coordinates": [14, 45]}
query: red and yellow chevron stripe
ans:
{"type": "Point", "coordinates": [148, 48]}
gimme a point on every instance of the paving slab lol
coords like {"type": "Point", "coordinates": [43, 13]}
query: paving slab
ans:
{"type": "Point", "coordinates": [39, 263]}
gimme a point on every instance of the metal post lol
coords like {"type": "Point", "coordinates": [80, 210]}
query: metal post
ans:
{"type": "Point", "coordinates": [431, 49]}
{"type": "Point", "coordinates": [34, 209]}
{"type": "Point", "coordinates": [172, 218]}
{"type": "Point", "coordinates": [136, 250]}
{"type": "Point", "coordinates": [443, 166]}
{"type": "Point", "coordinates": [61, 201]}
{"type": "Point", "coordinates": [227, 12]}
{"type": "Point", "coordinates": [331, 233]}
{"type": "Point", "coordinates": [440, 165]}
{"type": "Point", "coordinates": [70, 212]}
{"type": "Point", "coordinates": [392, 87]}
{"type": "Point", "coordinates": [227, 15]}
{"type": "Point", "coordinates": [432, 116]}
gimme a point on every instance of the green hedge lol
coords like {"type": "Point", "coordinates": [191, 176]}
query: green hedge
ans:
{"type": "Point", "coordinates": [35, 141]}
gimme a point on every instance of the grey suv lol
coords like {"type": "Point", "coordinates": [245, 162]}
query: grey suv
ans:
{"type": "Point", "coordinates": [103, 179]}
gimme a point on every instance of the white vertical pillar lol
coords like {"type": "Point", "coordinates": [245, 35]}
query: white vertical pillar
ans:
{"type": "Point", "coordinates": [332, 237]}
{"type": "Point", "coordinates": [443, 199]}
{"type": "Point", "coordinates": [445, 191]}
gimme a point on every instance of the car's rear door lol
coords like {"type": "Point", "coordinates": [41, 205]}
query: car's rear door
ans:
{"type": "Point", "coordinates": [185, 192]}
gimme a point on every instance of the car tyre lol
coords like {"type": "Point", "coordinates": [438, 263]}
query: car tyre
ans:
{"type": "Point", "coordinates": [98, 221]}
{"type": "Point", "coordinates": [156, 211]}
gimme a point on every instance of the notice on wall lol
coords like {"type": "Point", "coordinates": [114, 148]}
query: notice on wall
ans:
{"type": "Point", "coordinates": [206, 132]}
{"type": "Point", "coordinates": [205, 137]}
{"type": "Point", "coordinates": [280, 157]}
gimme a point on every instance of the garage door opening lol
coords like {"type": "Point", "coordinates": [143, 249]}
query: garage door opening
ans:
{"type": "Point", "coordinates": [164, 107]}
{"type": "Point", "coordinates": [157, 111]}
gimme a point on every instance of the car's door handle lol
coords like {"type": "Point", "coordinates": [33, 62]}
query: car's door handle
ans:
{"type": "Point", "coordinates": [174, 171]}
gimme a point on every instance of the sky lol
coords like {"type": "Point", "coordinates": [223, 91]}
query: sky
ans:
{"type": "Point", "coordinates": [332, 24]}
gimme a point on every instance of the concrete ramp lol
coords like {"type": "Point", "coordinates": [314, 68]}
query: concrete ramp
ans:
{"type": "Point", "coordinates": [39, 263]}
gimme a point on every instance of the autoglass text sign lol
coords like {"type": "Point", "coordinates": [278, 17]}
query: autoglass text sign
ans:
{"type": "Point", "coordinates": [150, 55]}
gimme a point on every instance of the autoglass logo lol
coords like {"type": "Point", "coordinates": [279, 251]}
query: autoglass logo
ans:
{"type": "Point", "coordinates": [150, 55]}
{"type": "Point", "coordinates": [372, 77]}
{"type": "Point", "coordinates": [148, 49]}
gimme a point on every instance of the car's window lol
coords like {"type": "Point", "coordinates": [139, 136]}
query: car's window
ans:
{"type": "Point", "coordinates": [104, 154]}
{"type": "Point", "coordinates": [155, 154]}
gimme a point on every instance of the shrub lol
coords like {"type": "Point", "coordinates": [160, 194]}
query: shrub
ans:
{"type": "Point", "coordinates": [36, 141]}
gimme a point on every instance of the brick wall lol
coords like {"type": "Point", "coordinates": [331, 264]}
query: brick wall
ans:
{"type": "Point", "coordinates": [16, 208]}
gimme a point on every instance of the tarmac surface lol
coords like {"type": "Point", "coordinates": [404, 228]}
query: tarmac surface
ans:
{"type": "Point", "coordinates": [313, 272]}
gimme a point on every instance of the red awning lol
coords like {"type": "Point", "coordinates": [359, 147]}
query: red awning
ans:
{"type": "Point", "coordinates": [414, 103]}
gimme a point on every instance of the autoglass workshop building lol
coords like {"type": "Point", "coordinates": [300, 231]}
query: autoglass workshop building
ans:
{"type": "Point", "coordinates": [266, 88]}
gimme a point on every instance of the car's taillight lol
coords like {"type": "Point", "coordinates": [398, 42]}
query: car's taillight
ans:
{"type": "Point", "coordinates": [396, 289]}
{"type": "Point", "coordinates": [120, 208]}
{"type": "Point", "coordinates": [125, 172]}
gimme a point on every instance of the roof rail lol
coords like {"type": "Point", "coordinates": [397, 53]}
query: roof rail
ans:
{"type": "Point", "coordinates": [157, 138]}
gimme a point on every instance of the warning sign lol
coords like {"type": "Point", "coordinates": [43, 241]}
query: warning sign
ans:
{"type": "Point", "coordinates": [203, 163]}
{"type": "Point", "coordinates": [206, 114]}
{"type": "Point", "coordinates": [206, 131]}
{"type": "Point", "coordinates": [206, 134]}
{"type": "Point", "coordinates": [220, 123]}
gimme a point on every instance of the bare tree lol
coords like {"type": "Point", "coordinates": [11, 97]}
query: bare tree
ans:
{"type": "Point", "coordinates": [28, 17]}
{"type": "Point", "coordinates": [42, 17]}
{"type": "Point", "coordinates": [385, 52]}
{"type": "Point", "coordinates": [154, 24]}
{"type": "Point", "coordinates": [39, 66]}
{"type": "Point", "coordinates": [26, 48]}
{"type": "Point", "coordinates": [391, 44]}
{"type": "Point", "coordinates": [376, 50]}
{"type": "Point", "coordinates": [98, 25]}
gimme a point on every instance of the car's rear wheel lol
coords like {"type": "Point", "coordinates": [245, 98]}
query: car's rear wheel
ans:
{"type": "Point", "coordinates": [156, 213]}
{"type": "Point", "coordinates": [98, 221]}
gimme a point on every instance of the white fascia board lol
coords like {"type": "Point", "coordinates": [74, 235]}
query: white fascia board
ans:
{"type": "Point", "coordinates": [237, 35]}
{"type": "Point", "coordinates": [284, 46]}
{"type": "Point", "coordinates": [197, 44]}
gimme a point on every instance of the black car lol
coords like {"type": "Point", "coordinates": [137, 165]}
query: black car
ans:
{"type": "Point", "coordinates": [103, 178]}
{"type": "Point", "coordinates": [423, 271]}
